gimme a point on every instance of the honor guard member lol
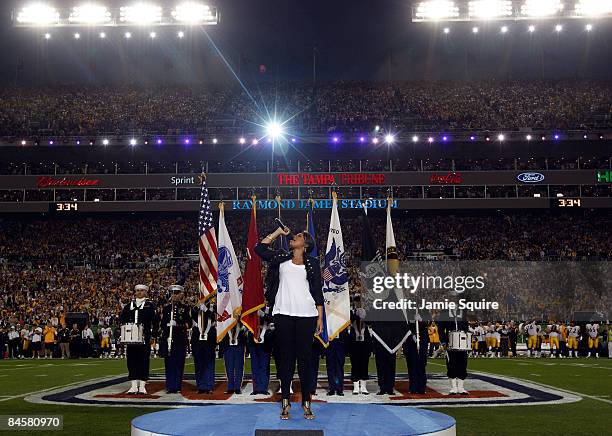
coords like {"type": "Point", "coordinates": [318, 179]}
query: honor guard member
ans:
{"type": "Point", "coordinates": [415, 349]}
{"type": "Point", "coordinates": [176, 318]}
{"type": "Point", "coordinates": [456, 362]}
{"type": "Point", "coordinates": [260, 350]}
{"type": "Point", "coordinates": [334, 358]}
{"type": "Point", "coordinates": [593, 332]}
{"type": "Point", "coordinates": [203, 345]}
{"type": "Point", "coordinates": [360, 348]}
{"type": "Point", "coordinates": [233, 347]}
{"type": "Point", "coordinates": [139, 311]}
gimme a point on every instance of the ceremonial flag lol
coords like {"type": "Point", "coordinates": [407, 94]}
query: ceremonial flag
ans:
{"type": "Point", "coordinates": [310, 228]}
{"type": "Point", "coordinates": [335, 279]}
{"type": "Point", "coordinates": [207, 248]}
{"type": "Point", "coordinates": [229, 284]}
{"type": "Point", "coordinates": [253, 294]}
{"type": "Point", "coordinates": [391, 334]}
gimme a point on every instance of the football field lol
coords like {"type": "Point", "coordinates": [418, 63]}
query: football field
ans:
{"type": "Point", "coordinates": [590, 379]}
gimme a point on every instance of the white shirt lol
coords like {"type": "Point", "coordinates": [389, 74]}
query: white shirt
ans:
{"type": "Point", "coordinates": [293, 297]}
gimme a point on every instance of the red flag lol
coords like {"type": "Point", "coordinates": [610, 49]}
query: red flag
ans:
{"type": "Point", "coordinates": [252, 294]}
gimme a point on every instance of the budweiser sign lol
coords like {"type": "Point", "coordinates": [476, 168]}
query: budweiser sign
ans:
{"type": "Point", "coordinates": [60, 182]}
{"type": "Point", "coordinates": [451, 178]}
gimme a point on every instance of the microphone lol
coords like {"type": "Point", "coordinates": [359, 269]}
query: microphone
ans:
{"type": "Point", "coordinates": [280, 224]}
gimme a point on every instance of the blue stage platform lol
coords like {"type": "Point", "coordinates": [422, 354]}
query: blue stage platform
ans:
{"type": "Point", "coordinates": [332, 419]}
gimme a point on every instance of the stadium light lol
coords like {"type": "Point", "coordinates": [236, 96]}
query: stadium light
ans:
{"type": "Point", "coordinates": [541, 8]}
{"type": "Point", "coordinates": [242, 140]}
{"type": "Point", "coordinates": [140, 13]}
{"type": "Point", "coordinates": [23, 142]}
{"type": "Point", "coordinates": [501, 137]}
{"type": "Point", "coordinates": [389, 139]}
{"type": "Point", "coordinates": [375, 141]}
{"type": "Point", "coordinates": [558, 28]}
{"type": "Point", "coordinates": [47, 36]}
{"type": "Point", "coordinates": [588, 27]}
{"type": "Point", "coordinates": [128, 35]}
{"type": "Point", "coordinates": [254, 141]}
{"type": "Point", "coordinates": [430, 139]}
{"type": "Point", "coordinates": [528, 137]}
{"type": "Point", "coordinates": [504, 29]}
{"type": "Point", "coordinates": [474, 30]}
{"type": "Point", "coordinates": [193, 13]}
{"type": "Point", "coordinates": [274, 129]}
{"type": "Point", "coordinates": [77, 36]}
{"type": "Point", "coordinates": [181, 34]}
{"type": "Point", "coordinates": [152, 35]}
{"type": "Point", "coordinates": [446, 30]}
{"type": "Point", "coordinates": [531, 28]}
{"type": "Point", "coordinates": [105, 142]}
{"type": "Point", "coordinates": [415, 138]}
{"type": "Point", "coordinates": [133, 142]}
{"type": "Point", "coordinates": [90, 14]}
{"type": "Point", "coordinates": [437, 10]}
{"type": "Point", "coordinates": [38, 14]}
{"type": "Point", "coordinates": [593, 8]}
{"type": "Point", "coordinates": [486, 9]}
{"type": "Point", "coordinates": [102, 35]}
{"type": "Point", "coordinates": [361, 139]}
{"type": "Point", "coordinates": [214, 141]}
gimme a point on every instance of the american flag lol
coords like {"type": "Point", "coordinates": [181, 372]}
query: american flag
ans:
{"type": "Point", "coordinates": [207, 247]}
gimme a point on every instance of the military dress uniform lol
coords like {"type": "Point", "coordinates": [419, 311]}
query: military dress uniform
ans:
{"type": "Point", "coordinates": [456, 361]}
{"type": "Point", "coordinates": [260, 352]}
{"type": "Point", "coordinates": [335, 355]}
{"type": "Point", "coordinates": [416, 359]}
{"type": "Point", "coordinates": [233, 347]}
{"type": "Point", "coordinates": [203, 346]}
{"type": "Point", "coordinates": [139, 311]}
{"type": "Point", "coordinates": [360, 348]}
{"type": "Point", "coordinates": [174, 359]}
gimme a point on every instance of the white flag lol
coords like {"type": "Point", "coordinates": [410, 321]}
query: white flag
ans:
{"type": "Point", "coordinates": [229, 283]}
{"type": "Point", "coordinates": [335, 279]}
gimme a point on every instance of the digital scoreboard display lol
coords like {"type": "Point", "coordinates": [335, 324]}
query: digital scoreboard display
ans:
{"type": "Point", "coordinates": [64, 207]}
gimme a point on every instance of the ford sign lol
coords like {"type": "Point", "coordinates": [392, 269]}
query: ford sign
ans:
{"type": "Point", "coordinates": [530, 177]}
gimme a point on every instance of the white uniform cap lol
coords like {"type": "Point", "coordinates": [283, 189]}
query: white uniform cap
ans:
{"type": "Point", "coordinates": [176, 288]}
{"type": "Point", "coordinates": [141, 287]}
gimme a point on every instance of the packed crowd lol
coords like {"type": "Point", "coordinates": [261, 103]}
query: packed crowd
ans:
{"type": "Point", "coordinates": [52, 267]}
{"type": "Point", "coordinates": [337, 106]}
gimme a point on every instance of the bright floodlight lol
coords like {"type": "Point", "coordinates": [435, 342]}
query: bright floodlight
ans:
{"type": "Point", "coordinates": [589, 27]}
{"type": "Point", "coordinates": [558, 28]}
{"type": "Point", "coordinates": [541, 8]}
{"type": "Point", "coordinates": [140, 13]}
{"type": "Point", "coordinates": [242, 140]}
{"type": "Point", "coordinates": [181, 34]}
{"type": "Point", "coordinates": [415, 138]}
{"type": "Point", "coordinates": [593, 8]}
{"type": "Point", "coordinates": [528, 137]}
{"type": "Point", "coordinates": [90, 14]}
{"type": "Point", "coordinates": [132, 142]}
{"type": "Point", "coordinates": [490, 8]}
{"type": "Point", "coordinates": [500, 137]}
{"type": "Point", "coordinates": [474, 29]}
{"type": "Point", "coordinates": [389, 139]}
{"type": "Point", "coordinates": [274, 129]}
{"type": "Point", "coordinates": [128, 35]}
{"type": "Point", "coordinates": [437, 10]}
{"type": "Point", "coordinates": [193, 13]}
{"type": "Point", "coordinates": [77, 36]}
{"type": "Point", "coordinates": [446, 30]}
{"type": "Point", "coordinates": [531, 28]}
{"type": "Point", "coordinates": [47, 36]}
{"type": "Point", "coordinates": [102, 35]}
{"type": "Point", "coordinates": [38, 14]}
{"type": "Point", "coordinates": [152, 35]}
{"type": "Point", "coordinates": [504, 29]}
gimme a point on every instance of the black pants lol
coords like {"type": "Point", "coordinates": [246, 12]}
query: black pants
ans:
{"type": "Point", "coordinates": [456, 364]}
{"type": "Point", "coordinates": [360, 357]}
{"type": "Point", "coordinates": [138, 362]}
{"type": "Point", "coordinates": [385, 367]}
{"type": "Point", "coordinates": [294, 341]}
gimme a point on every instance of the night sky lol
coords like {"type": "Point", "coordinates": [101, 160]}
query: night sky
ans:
{"type": "Point", "coordinates": [353, 40]}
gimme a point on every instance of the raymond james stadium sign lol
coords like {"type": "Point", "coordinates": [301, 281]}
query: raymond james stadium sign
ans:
{"type": "Point", "coordinates": [604, 176]}
{"type": "Point", "coordinates": [318, 204]}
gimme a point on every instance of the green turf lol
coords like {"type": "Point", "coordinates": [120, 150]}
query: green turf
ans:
{"type": "Point", "coordinates": [590, 416]}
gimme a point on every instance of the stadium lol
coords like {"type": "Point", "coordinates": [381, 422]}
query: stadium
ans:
{"type": "Point", "coordinates": [339, 218]}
